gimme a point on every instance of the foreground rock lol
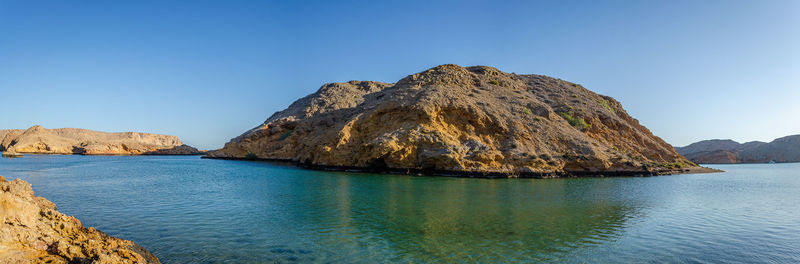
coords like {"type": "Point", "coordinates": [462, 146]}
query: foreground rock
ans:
{"type": "Point", "coordinates": [40, 140]}
{"type": "Point", "coordinates": [34, 232]}
{"type": "Point", "coordinates": [451, 120]}
{"type": "Point", "coordinates": [718, 151]}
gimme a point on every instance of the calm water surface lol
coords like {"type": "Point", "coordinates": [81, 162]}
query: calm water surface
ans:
{"type": "Point", "coordinates": [190, 210]}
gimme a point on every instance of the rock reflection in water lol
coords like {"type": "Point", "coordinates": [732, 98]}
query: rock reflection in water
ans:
{"type": "Point", "coordinates": [456, 219]}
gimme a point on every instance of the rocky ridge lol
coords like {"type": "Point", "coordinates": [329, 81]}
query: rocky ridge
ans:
{"type": "Point", "coordinates": [453, 120]}
{"type": "Point", "coordinates": [40, 140]}
{"type": "Point", "coordinates": [33, 231]}
{"type": "Point", "coordinates": [719, 151]}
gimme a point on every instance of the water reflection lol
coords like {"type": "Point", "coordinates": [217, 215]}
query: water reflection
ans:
{"type": "Point", "coordinates": [187, 210]}
{"type": "Point", "coordinates": [424, 219]}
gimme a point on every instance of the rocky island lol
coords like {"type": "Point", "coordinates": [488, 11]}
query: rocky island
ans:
{"type": "Point", "coordinates": [39, 140]}
{"type": "Point", "coordinates": [33, 231]}
{"type": "Point", "coordinates": [726, 151]}
{"type": "Point", "coordinates": [461, 121]}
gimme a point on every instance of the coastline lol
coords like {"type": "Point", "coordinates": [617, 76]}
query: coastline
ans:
{"type": "Point", "coordinates": [106, 154]}
{"type": "Point", "coordinates": [481, 174]}
{"type": "Point", "coordinates": [34, 231]}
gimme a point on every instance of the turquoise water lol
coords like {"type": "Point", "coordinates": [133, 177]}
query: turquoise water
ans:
{"type": "Point", "coordinates": [190, 210]}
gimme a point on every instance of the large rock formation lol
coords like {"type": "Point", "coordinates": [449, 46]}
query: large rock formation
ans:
{"type": "Point", "coordinates": [81, 141]}
{"type": "Point", "coordinates": [32, 231]}
{"type": "Point", "coordinates": [473, 121]}
{"type": "Point", "coordinates": [718, 151]}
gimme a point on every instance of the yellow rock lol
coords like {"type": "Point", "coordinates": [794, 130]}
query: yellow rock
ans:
{"type": "Point", "coordinates": [32, 231]}
{"type": "Point", "coordinates": [464, 120]}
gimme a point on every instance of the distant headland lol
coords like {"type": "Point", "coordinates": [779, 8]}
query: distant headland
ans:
{"type": "Point", "coordinates": [39, 140]}
{"type": "Point", "coordinates": [726, 151]}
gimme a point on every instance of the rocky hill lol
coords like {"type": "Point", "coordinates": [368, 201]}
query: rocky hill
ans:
{"type": "Point", "coordinates": [82, 141]}
{"type": "Point", "coordinates": [785, 149]}
{"type": "Point", "coordinates": [32, 231]}
{"type": "Point", "coordinates": [452, 120]}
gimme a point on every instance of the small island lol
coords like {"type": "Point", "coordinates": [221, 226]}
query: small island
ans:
{"type": "Point", "coordinates": [461, 121]}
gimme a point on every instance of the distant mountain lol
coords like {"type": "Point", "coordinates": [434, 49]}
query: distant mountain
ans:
{"type": "Point", "coordinates": [785, 149]}
{"type": "Point", "coordinates": [40, 140]}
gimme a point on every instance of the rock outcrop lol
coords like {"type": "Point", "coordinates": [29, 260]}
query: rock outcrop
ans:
{"type": "Point", "coordinates": [452, 120]}
{"type": "Point", "coordinates": [34, 232]}
{"type": "Point", "coordinates": [40, 140]}
{"type": "Point", "coordinates": [177, 150]}
{"type": "Point", "coordinates": [718, 151]}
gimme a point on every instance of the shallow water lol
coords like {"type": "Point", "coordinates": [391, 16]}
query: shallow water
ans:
{"type": "Point", "coordinates": [190, 210]}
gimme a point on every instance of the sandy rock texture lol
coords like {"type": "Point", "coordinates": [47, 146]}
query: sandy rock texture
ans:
{"type": "Point", "coordinates": [82, 141]}
{"type": "Point", "coordinates": [726, 151]}
{"type": "Point", "coordinates": [475, 121]}
{"type": "Point", "coordinates": [34, 232]}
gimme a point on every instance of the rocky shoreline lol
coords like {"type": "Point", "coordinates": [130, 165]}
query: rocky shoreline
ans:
{"type": "Point", "coordinates": [12, 155]}
{"type": "Point", "coordinates": [33, 231]}
{"type": "Point", "coordinates": [481, 174]}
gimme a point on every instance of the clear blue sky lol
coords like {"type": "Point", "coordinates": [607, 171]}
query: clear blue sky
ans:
{"type": "Point", "coordinates": [206, 71]}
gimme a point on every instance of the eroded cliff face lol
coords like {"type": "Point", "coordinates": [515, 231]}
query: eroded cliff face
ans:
{"type": "Point", "coordinates": [81, 141]}
{"type": "Point", "coordinates": [465, 120]}
{"type": "Point", "coordinates": [32, 231]}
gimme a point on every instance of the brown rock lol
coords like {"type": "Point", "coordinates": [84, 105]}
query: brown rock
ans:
{"type": "Point", "coordinates": [177, 150]}
{"type": "Point", "coordinates": [475, 121]}
{"type": "Point", "coordinates": [34, 232]}
{"type": "Point", "coordinates": [40, 140]}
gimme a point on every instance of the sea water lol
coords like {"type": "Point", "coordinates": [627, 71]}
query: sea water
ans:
{"type": "Point", "coordinates": [190, 210]}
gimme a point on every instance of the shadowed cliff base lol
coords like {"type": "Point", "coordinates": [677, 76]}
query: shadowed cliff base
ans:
{"type": "Point", "coordinates": [460, 120]}
{"type": "Point", "coordinates": [478, 174]}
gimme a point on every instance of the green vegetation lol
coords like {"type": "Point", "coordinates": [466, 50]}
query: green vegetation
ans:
{"type": "Point", "coordinates": [577, 122]}
{"type": "Point", "coordinates": [607, 105]}
{"type": "Point", "coordinates": [285, 134]}
{"type": "Point", "coordinates": [495, 82]}
{"type": "Point", "coordinates": [526, 111]}
{"type": "Point", "coordinates": [673, 165]}
{"type": "Point", "coordinates": [251, 156]}
{"type": "Point", "coordinates": [679, 164]}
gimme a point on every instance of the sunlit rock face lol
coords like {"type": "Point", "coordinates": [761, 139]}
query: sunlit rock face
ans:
{"type": "Point", "coordinates": [40, 140]}
{"type": "Point", "coordinates": [32, 231]}
{"type": "Point", "coordinates": [453, 119]}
